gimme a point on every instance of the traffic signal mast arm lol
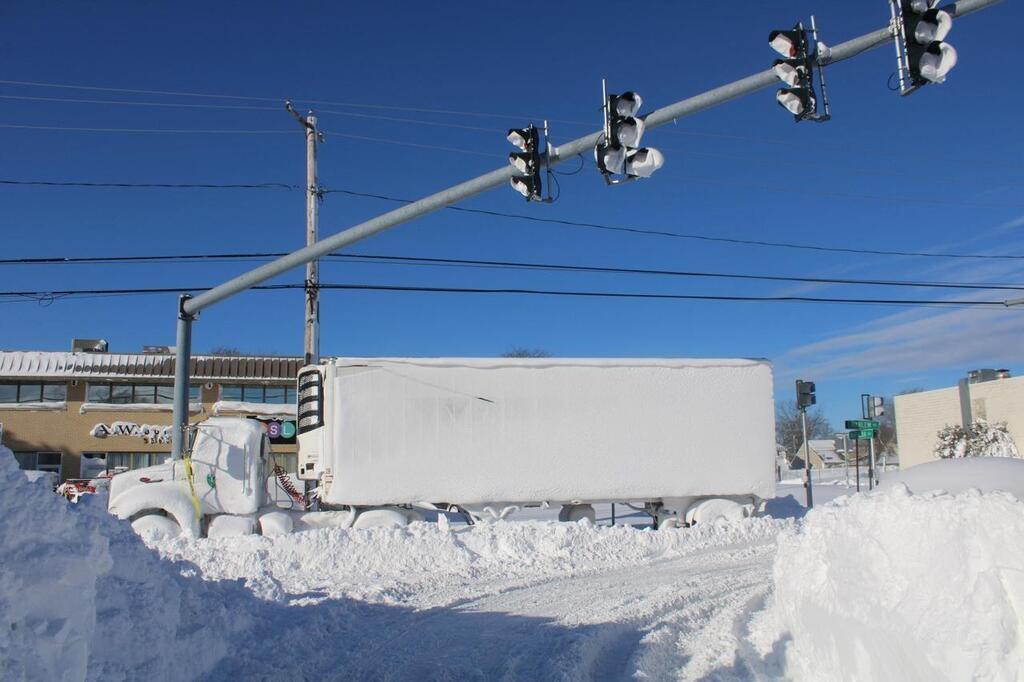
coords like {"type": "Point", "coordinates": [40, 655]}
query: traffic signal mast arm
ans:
{"type": "Point", "coordinates": [189, 307]}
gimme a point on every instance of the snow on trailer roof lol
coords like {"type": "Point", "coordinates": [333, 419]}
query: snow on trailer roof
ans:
{"type": "Point", "coordinates": [488, 363]}
{"type": "Point", "coordinates": [70, 365]}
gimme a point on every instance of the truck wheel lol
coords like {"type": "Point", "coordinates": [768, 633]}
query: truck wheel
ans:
{"type": "Point", "coordinates": [156, 527]}
{"type": "Point", "coordinates": [381, 518]}
{"type": "Point", "coordinates": [575, 512]}
{"type": "Point", "coordinates": [716, 509]}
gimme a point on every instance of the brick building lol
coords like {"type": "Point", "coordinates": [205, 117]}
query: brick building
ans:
{"type": "Point", "coordinates": [81, 412]}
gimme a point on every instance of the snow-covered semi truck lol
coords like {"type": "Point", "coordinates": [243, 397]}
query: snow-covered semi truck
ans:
{"type": "Point", "coordinates": [690, 440]}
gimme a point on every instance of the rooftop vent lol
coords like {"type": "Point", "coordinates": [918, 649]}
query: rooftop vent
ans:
{"type": "Point", "coordinates": [88, 345]}
{"type": "Point", "coordinates": [157, 350]}
{"type": "Point", "coordinates": [977, 376]}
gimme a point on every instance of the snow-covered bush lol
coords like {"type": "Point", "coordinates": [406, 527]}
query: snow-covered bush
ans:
{"type": "Point", "coordinates": [981, 440]}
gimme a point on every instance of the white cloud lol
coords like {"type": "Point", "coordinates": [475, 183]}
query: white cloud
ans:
{"type": "Point", "coordinates": [908, 342]}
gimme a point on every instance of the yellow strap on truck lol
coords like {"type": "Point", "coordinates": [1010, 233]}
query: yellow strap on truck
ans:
{"type": "Point", "coordinates": [191, 485]}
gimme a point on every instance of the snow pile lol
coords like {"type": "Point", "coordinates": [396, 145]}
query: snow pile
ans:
{"type": "Point", "coordinates": [981, 440]}
{"type": "Point", "coordinates": [81, 597]}
{"type": "Point", "coordinates": [427, 565]}
{"type": "Point", "coordinates": [899, 586]}
{"type": "Point", "coordinates": [955, 476]}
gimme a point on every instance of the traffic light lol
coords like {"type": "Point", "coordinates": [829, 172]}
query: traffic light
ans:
{"type": "Point", "coordinates": [796, 70]}
{"type": "Point", "coordinates": [805, 394]}
{"type": "Point", "coordinates": [619, 156]}
{"type": "Point", "coordinates": [922, 54]}
{"type": "Point", "coordinates": [526, 162]}
{"type": "Point", "coordinates": [876, 407]}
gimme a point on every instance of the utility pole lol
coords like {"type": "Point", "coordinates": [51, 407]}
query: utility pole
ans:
{"type": "Point", "coordinates": [311, 329]}
{"type": "Point", "coordinates": [189, 308]}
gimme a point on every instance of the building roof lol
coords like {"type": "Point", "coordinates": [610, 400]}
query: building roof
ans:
{"type": "Point", "coordinates": [826, 449]}
{"type": "Point", "coordinates": [63, 365]}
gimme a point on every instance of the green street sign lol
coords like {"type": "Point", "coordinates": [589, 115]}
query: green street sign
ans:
{"type": "Point", "coordinates": [863, 434]}
{"type": "Point", "coordinates": [861, 424]}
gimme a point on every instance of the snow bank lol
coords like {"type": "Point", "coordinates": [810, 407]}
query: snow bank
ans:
{"type": "Point", "coordinates": [899, 586]}
{"type": "Point", "coordinates": [81, 597]}
{"type": "Point", "coordinates": [987, 474]}
{"type": "Point", "coordinates": [426, 565]}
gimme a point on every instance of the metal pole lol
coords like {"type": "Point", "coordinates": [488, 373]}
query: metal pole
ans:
{"type": "Point", "coordinates": [871, 463]}
{"type": "Point", "coordinates": [846, 458]}
{"type": "Point", "coordinates": [857, 446]}
{"type": "Point", "coordinates": [480, 184]}
{"type": "Point", "coordinates": [807, 458]}
{"type": "Point", "coordinates": [182, 359]}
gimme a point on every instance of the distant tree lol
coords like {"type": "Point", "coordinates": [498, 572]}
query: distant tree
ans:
{"type": "Point", "coordinates": [982, 440]}
{"type": "Point", "coordinates": [524, 352]}
{"type": "Point", "coordinates": [225, 350]}
{"type": "Point", "coordinates": [789, 430]}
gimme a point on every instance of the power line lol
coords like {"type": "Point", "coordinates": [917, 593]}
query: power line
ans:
{"type": "Point", "coordinates": [683, 235]}
{"type": "Point", "coordinates": [532, 218]}
{"type": "Point", "coordinates": [331, 133]}
{"type": "Point", "coordinates": [538, 219]}
{"type": "Point", "coordinates": [176, 131]}
{"type": "Point", "coordinates": [133, 103]}
{"type": "Point", "coordinates": [501, 264]}
{"type": "Point", "coordinates": [152, 185]}
{"type": "Point", "coordinates": [58, 294]}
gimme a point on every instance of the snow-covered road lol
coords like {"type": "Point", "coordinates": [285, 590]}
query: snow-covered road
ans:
{"type": "Point", "coordinates": [510, 601]}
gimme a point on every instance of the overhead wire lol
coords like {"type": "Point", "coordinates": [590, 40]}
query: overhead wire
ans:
{"type": "Point", "coordinates": [59, 294]}
{"type": "Point", "coordinates": [503, 264]}
{"type": "Point", "coordinates": [537, 219]}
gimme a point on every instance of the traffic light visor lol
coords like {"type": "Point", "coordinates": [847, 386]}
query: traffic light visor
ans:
{"type": "Point", "coordinates": [528, 186]}
{"type": "Point", "coordinates": [797, 101]}
{"type": "Point", "coordinates": [786, 43]}
{"type": "Point", "coordinates": [628, 131]}
{"type": "Point", "coordinates": [937, 61]}
{"type": "Point", "coordinates": [641, 163]}
{"type": "Point", "coordinates": [934, 25]}
{"type": "Point", "coordinates": [610, 159]}
{"type": "Point", "coordinates": [790, 71]}
{"type": "Point", "coordinates": [521, 137]}
{"type": "Point", "coordinates": [523, 163]}
{"type": "Point", "coordinates": [626, 104]}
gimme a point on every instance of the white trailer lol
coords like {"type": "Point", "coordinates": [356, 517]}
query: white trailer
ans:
{"type": "Point", "coordinates": [493, 433]}
{"type": "Point", "coordinates": [690, 440]}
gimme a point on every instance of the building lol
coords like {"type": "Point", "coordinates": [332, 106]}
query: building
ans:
{"type": "Point", "coordinates": [822, 453]}
{"type": "Point", "coordinates": [992, 395]}
{"type": "Point", "coordinates": [88, 410]}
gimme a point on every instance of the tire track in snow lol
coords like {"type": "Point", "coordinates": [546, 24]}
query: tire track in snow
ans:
{"type": "Point", "coordinates": [674, 618]}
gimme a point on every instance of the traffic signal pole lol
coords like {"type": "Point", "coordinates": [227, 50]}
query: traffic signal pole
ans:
{"type": "Point", "coordinates": [807, 458]}
{"type": "Point", "coordinates": [190, 307]}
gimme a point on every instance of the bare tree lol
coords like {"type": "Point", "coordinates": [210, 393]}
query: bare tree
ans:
{"type": "Point", "coordinates": [225, 350]}
{"type": "Point", "coordinates": [524, 352]}
{"type": "Point", "coordinates": [789, 431]}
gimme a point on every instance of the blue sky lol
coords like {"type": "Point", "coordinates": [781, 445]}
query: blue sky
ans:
{"type": "Point", "coordinates": [938, 170]}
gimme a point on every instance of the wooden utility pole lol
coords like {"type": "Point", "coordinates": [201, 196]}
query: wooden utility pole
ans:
{"type": "Point", "coordinates": [311, 332]}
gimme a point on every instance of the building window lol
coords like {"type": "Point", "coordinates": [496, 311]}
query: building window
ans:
{"type": "Point", "coordinates": [32, 392]}
{"type": "Point", "coordinates": [39, 461]}
{"type": "Point", "coordinates": [135, 460]}
{"type": "Point", "coordinates": [137, 394]}
{"type": "Point", "coordinates": [256, 393]}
